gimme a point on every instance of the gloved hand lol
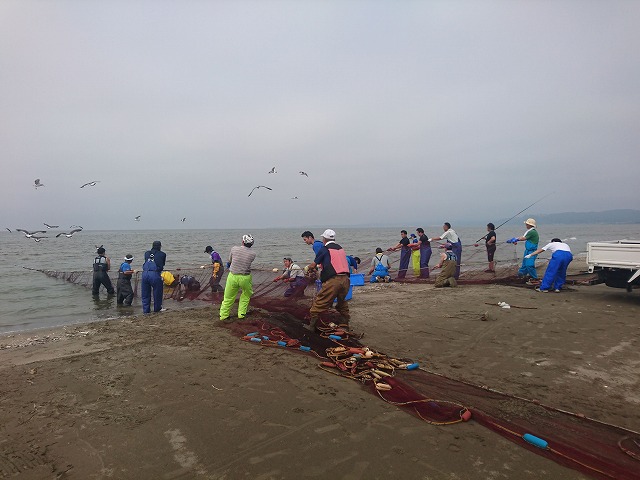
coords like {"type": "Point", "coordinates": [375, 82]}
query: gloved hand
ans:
{"type": "Point", "coordinates": [202, 266]}
{"type": "Point", "coordinates": [228, 265]}
{"type": "Point", "coordinates": [528, 256]}
{"type": "Point", "coordinates": [476, 244]}
{"type": "Point", "coordinates": [306, 269]}
{"type": "Point", "coordinates": [513, 240]}
{"type": "Point", "coordinates": [429, 240]}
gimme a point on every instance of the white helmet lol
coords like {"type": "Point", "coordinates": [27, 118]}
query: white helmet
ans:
{"type": "Point", "coordinates": [247, 239]}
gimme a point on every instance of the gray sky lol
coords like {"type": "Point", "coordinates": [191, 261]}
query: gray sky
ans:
{"type": "Point", "coordinates": [401, 112]}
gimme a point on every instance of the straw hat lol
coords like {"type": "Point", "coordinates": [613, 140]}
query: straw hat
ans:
{"type": "Point", "coordinates": [530, 221]}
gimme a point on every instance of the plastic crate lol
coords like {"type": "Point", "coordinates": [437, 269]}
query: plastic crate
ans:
{"type": "Point", "coordinates": [357, 279]}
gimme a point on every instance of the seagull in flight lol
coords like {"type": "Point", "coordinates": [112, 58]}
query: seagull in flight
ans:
{"type": "Point", "coordinates": [37, 239]}
{"type": "Point", "coordinates": [183, 219]}
{"type": "Point", "coordinates": [304, 173]}
{"type": "Point", "coordinates": [273, 170]}
{"type": "Point", "coordinates": [259, 186]}
{"type": "Point", "coordinates": [137, 219]}
{"type": "Point", "coordinates": [37, 183]}
{"type": "Point", "coordinates": [8, 229]}
{"type": "Point", "coordinates": [50, 226]}
{"type": "Point", "coordinates": [30, 234]}
{"type": "Point", "coordinates": [70, 234]}
{"type": "Point", "coordinates": [76, 226]}
{"type": "Point", "coordinates": [90, 184]}
{"type": "Point", "coordinates": [294, 198]}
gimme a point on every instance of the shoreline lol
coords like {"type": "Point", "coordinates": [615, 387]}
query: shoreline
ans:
{"type": "Point", "coordinates": [175, 395]}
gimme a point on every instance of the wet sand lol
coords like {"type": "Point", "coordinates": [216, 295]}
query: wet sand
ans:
{"type": "Point", "coordinates": [175, 396]}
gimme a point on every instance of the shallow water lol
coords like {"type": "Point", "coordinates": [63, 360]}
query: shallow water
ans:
{"type": "Point", "coordinates": [31, 300]}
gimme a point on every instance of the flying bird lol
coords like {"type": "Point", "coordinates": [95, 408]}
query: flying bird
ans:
{"type": "Point", "coordinates": [50, 226]}
{"type": "Point", "coordinates": [8, 229]}
{"type": "Point", "coordinates": [137, 219]}
{"type": "Point", "coordinates": [76, 226]}
{"type": "Point", "coordinates": [273, 170]}
{"type": "Point", "coordinates": [70, 234]}
{"type": "Point", "coordinates": [30, 234]}
{"type": "Point", "coordinates": [37, 183]}
{"type": "Point", "coordinates": [304, 173]}
{"type": "Point", "coordinates": [294, 198]}
{"type": "Point", "coordinates": [183, 219]}
{"type": "Point", "coordinates": [37, 239]}
{"type": "Point", "coordinates": [90, 184]}
{"type": "Point", "coordinates": [259, 186]}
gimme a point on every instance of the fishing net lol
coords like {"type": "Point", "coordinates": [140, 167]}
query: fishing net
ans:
{"type": "Point", "coordinates": [278, 321]}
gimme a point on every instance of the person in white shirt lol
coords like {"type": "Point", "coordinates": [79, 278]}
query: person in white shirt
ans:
{"type": "Point", "coordinates": [556, 274]}
{"type": "Point", "coordinates": [294, 276]}
{"type": "Point", "coordinates": [452, 237]}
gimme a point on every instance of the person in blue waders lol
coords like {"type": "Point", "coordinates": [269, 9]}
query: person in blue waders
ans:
{"type": "Point", "coordinates": [405, 253]}
{"type": "Point", "coordinates": [380, 266]}
{"type": "Point", "coordinates": [152, 267]}
{"type": "Point", "coordinates": [556, 274]}
{"type": "Point", "coordinates": [531, 239]}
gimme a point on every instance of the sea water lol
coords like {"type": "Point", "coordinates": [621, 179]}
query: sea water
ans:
{"type": "Point", "coordinates": [30, 300]}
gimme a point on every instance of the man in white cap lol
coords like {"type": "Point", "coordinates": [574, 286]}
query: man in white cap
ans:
{"type": "Point", "coordinates": [123, 287]}
{"type": "Point", "coordinates": [334, 277]}
{"type": "Point", "coordinates": [531, 239]}
{"type": "Point", "coordinates": [238, 278]}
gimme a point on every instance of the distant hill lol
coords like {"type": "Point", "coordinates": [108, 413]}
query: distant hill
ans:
{"type": "Point", "coordinates": [624, 216]}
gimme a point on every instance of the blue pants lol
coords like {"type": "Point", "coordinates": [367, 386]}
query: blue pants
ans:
{"type": "Point", "coordinates": [151, 280]}
{"type": "Point", "coordinates": [380, 272]}
{"type": "Point", "coordinates": [556, 274]}
{"type": "Point", "coordinates": [405, 257]}
{"type": "Point", "coordinates": [529, 264]}
{"type": "Point", "coordinates": [425, 256]}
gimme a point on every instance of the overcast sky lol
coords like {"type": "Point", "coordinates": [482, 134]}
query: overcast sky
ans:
{"type": "Point", "coordinates": [401, 112]}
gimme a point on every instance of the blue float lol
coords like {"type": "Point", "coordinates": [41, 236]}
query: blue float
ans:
{"type": "Point", "coordinates": [335, 337]}
{"type": "Point", "coordinates": [252, 334]}
{"type": "Point", "coordinates": [535, 441]}
{"type": "Point", "coordinates": [412, 366]}
{"type": "Point", "coordinates": [282, 344]}
{"type": "Point", "coordinates": [305, 349]}
{"type": "Point", "coordinates": [256, 339]}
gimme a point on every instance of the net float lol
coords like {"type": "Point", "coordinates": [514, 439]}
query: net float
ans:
{"type": "Point", "coordinates": [535, 441]}
{"type": "Point", "coordinates": [380, 372]}
{"type": "Point", "coordinates": [335, 337]}
{"type": "Point", "coordinates": [368, 354]}
{"type": "Point", "coordinates": [282, 344]}
{"type": "Point", "coordinates": [252, 334]}
{"type": "Point", "coordinates": [304, 348]}
{"type": "Point", "coordinates": [383, 386]}
{"type": "Point", "coordinates": [256, 339]}
{"type": "Point", "coordinates": [412, 366]}
{"type": "Point", "coordinates": [466, 416]}
{"type": "Point", "coordinates": [328, 364]}
{"type": "Point", "coordinates": [356, 350]}
{"type": "Point", "coordinates": [265, 337]}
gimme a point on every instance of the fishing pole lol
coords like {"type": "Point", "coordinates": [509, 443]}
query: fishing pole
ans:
{"type": "Point", "coordinates": [523, 210]}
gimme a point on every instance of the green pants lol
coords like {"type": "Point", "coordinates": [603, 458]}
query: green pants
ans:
{"type": "Point", "coordinates": [235, 283]}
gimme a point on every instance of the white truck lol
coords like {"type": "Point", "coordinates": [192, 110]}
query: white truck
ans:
{"type": "Point", "coordinates": [617, 262]}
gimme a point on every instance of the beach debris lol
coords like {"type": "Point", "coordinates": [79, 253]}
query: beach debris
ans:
{"type": "Point", "coordinates": [216, 388]}
{"type": "Point", "coordinates": [504, 305]}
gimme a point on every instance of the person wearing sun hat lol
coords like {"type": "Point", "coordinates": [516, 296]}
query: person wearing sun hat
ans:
{"type": "Point", "coordinates": [531, 239]}
{"type": "Point", "coordinates": [123, 286]}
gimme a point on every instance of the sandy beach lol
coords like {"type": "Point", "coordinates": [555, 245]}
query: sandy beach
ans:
{"type": "Point", "coordinates": [175, 395]}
